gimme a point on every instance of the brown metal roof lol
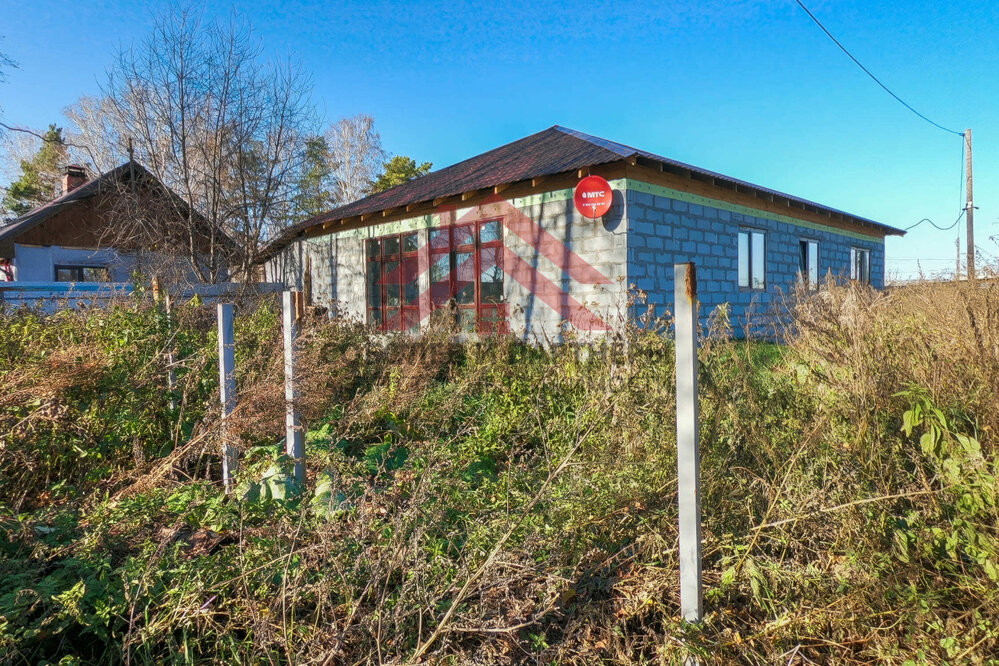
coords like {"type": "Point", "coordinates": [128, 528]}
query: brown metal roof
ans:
{"type": "Point", "coordinates": [551, 151]}
{"type": "Point", "coordinates": [103, 184]}
{"type": "Point", "coordinates": [31, 219]}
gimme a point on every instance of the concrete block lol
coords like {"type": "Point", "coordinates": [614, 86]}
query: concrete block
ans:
{"type": "Point", "coordinates": [641, 198]}
{"type": "Point", "coordinates": [655, 215]}
{"type": "Point", "coordinates": [642, 227]}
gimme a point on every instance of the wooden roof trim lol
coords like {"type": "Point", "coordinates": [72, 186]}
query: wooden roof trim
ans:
{"type": "Point", "coordinates": [644, 170]}
{"type": "Point", "coordinates": [751, 198]}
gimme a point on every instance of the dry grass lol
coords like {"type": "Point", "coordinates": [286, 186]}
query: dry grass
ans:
{"type": "Point", "coordinates": [509, 504]}
{"type": "Point", "coordinates": [869, 345]}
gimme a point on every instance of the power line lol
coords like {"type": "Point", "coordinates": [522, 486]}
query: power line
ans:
{"type": "Point", "coordinates": [962, 191]}
{"type": "Point", "coordinates": [935, 225]}
{"type": "Point", "coordinates": [868, 72]}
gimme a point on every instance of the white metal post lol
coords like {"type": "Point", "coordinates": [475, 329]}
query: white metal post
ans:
{"type": "Point", "coordinates": [171, 357]}
{"type": "Point", "coordinates": [688, 456]}
{"type": "Point", "coordinates": [294, 440]}
{"type": "Point", "coordinates": [227, 389]}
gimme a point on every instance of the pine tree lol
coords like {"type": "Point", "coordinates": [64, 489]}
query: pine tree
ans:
{"type": "Point", "coordinates": [39, 176]}
{"type": "Point", "coordinates": [314, 191]}
{"type": "Point", "coordinates": [399, 170]}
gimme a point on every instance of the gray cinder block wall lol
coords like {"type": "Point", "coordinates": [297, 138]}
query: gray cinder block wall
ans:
{"type": "Point", "coordinates": [564, 271]}
{"type": "Point", "coordinates": [667, 227]}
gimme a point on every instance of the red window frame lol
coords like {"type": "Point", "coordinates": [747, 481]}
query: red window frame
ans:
{"type": "Point", "coordinates": [457, 260]}
{"type": "Point", "coordinates": [393, 298]}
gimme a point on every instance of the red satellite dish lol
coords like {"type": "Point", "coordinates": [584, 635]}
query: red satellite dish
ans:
{"type": "Point", "coordinates": [593, 197]}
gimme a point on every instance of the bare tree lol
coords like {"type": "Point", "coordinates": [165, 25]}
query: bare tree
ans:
{"type": "Point", "coordinates": [95, 128]}
{"type": "Point", "coordinates": [224, 130]}
{"type": "Point", "coordinates": [17, 147]}
{"type": "Point", "coordinates": [356, 150]}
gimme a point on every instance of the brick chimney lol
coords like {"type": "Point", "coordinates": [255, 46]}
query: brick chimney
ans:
{"type": "Point", "coordinates": [73, 177]}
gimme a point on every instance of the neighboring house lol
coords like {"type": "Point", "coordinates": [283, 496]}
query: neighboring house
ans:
{"type": "Point", "coordinates": [498, 240]}
{"type": "Point", "coordinates": [86, 234]}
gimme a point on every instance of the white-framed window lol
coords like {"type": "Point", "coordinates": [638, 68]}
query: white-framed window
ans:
{"type": "Point", "coordinates": [808, 263]}
{"type": "Point", "coordinates": [752, 259]}
{"type": "Point", "coordinates": [860, 264]}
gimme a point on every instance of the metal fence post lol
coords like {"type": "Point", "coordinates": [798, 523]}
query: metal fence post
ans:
{"type": "Point", "coordinates": [171, 356]}
{"type": "Point", "coordinates": [688, 456]}
{"type": "Point", "coordinates": [227, 390]}
{"type": "Point", "coordinates": [294, 438]}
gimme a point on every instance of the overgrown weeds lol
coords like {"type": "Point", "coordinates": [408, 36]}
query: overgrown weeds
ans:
{"type": "Point", "coordinates": [495, 502]}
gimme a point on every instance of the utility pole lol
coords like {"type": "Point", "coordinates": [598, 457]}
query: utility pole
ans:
{"type": "Point", "coordinates": [957, 266]}
{"type": "Point", "coordinates": [970, 206]}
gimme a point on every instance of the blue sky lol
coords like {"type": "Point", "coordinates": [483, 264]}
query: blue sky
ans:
{"type": "Point", "coordinates": [748, 88]}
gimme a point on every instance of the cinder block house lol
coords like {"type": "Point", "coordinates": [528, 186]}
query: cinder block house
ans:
{"type": "Point", "coordinates": [498, 241]}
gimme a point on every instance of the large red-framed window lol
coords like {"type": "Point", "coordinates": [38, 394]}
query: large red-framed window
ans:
{"type": "Point", "coordinates": [465, 271]}
{"type": "Point", "coordinates": [393, 282]}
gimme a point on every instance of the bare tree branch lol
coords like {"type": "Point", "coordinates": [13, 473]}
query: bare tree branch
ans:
{"type": "Point", "coordinates": [223, 129]}
{"type": "Point", "coordinates": [39, 136]}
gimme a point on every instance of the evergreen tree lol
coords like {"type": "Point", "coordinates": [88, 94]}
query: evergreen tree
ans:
{"type": "Point", "coordinates": [39, 176]}
{"type": "Point", "coordinates": [399, 170]}
{"type": "Point", "coordinates": [315, 187]}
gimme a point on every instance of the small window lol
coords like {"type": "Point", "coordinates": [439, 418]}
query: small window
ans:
{"type": "Point", "coordinates": [752, 257]}
{"type": "Point", "coordinates": [82, 274]}
{"type": "Point", "coordinates": [808, 263]}
{"type": "Point", "coordinates": [411, 242]}
{"type": "Point", "coordinates": [860, 265]}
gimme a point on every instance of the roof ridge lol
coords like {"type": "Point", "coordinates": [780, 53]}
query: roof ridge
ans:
{"type": "Point", "coordinates": [613, 146]}
{"type": "Point", "coordinates": [554, 150]}
{"type": "Point", "coordinates": [75, 191]}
